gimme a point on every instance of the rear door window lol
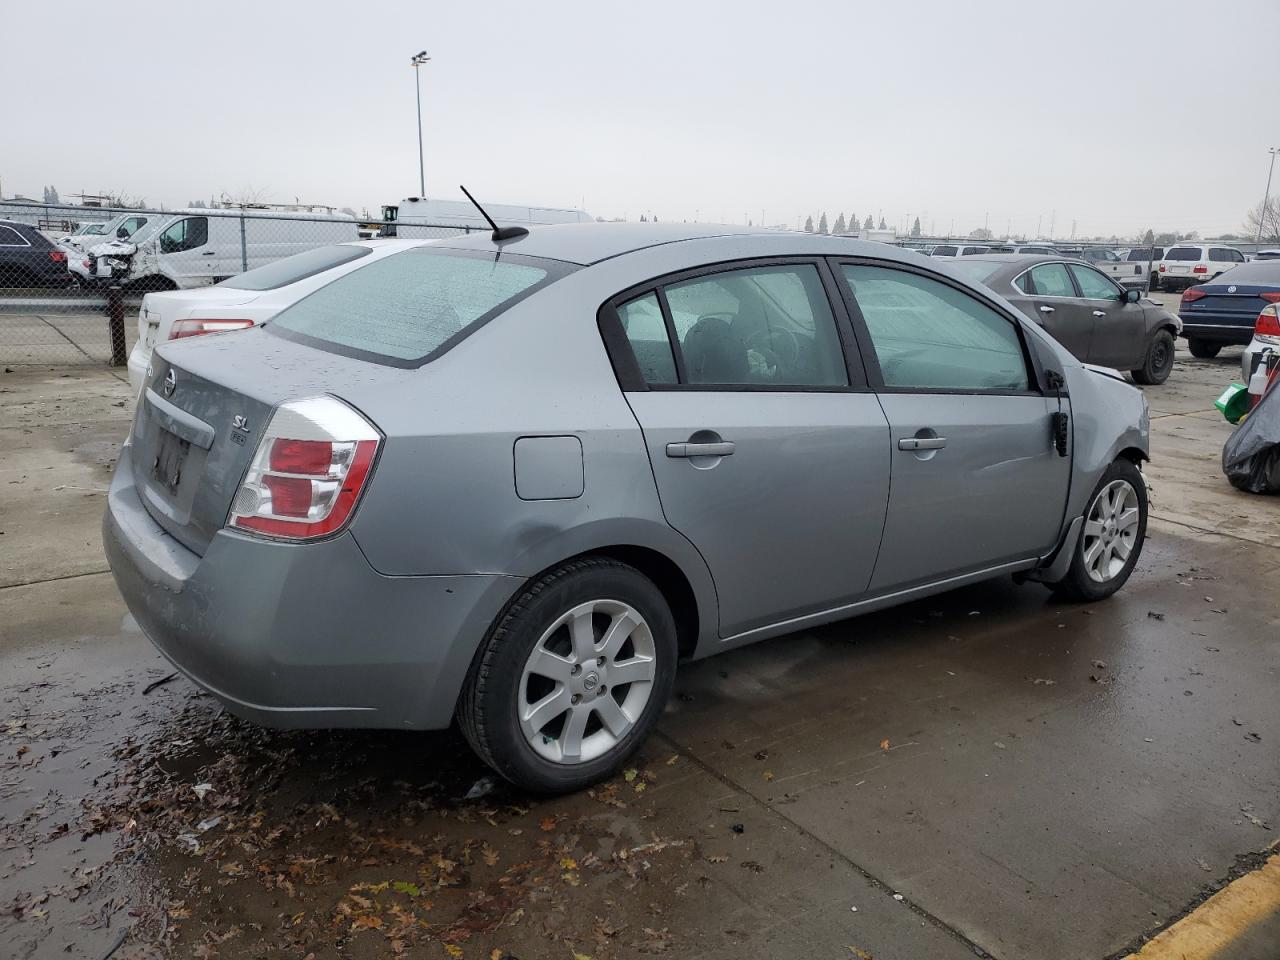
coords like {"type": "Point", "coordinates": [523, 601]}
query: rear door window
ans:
{"type": "Point", "coordinates": [944, 251]}
{"type": "Point", "coordinates": [10, 237]}
{"type": "Point", "coordinates": [1052, 280]}
{"type": "Point", "coordinates": [410, 307]}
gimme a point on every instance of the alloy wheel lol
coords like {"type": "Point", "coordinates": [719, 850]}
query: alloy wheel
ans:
{"type": "Point", "coordinates": [1111, 530]}
{"type": "Point", "coordinates": [587, 681]}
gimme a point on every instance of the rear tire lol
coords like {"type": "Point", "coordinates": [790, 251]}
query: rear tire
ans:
{"type": "Point", "coordinates": [1115, 525]}
{"type": "Point", "coordinates": [1203, 349]}
{"type": "Point", "coordinates": [1158, 362]}
{"type": "Point", "coordinates": [544, 703]}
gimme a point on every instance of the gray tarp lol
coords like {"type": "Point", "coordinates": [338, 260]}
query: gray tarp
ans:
{"type": "Point", "coordinates": [1251, 455]}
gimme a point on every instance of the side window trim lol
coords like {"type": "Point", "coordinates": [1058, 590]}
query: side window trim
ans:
{"type": "Point", "coordinates": [1030, 357]}
{"type": "Point", "coordinates": [627, 369]}
{"type": "Point", "coordinates": [8, 229]}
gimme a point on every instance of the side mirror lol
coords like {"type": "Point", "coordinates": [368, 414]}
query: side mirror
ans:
{"type": "Point", "coordinates": [1132, 295]}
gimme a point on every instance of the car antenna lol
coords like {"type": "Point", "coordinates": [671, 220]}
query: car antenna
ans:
{"type": "Point", "coordinates": [499, 233]}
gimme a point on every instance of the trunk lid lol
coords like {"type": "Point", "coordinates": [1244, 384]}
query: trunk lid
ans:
{"type": "Point", "coordinates": [1220, 298]}
{"type": "Point", "coordinates": [205, 406]}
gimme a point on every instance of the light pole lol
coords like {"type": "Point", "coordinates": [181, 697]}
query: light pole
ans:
{"type": "Point", "coordinates": [418, 60]}
{"type": "Point", "coordinates": [1266, 197]}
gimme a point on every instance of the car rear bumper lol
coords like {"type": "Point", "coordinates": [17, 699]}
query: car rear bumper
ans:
{"type": "Point", "coordinates": [1201, 328]}
{"type": "Point", "coordinates": [299, 635]}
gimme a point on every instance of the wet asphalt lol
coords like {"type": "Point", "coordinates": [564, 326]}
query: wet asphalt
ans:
{"type": "Point", "coordinates": [988, 772]}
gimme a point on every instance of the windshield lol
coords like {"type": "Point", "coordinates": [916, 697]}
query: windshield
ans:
{"type": "Point", "coordinates": [281, 273]}
{"type": "Point", "coordinates": [979, 271]}
{"type": "Point", "coordinates": [412, 306]}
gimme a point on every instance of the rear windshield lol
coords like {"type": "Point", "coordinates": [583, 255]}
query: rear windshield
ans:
{"type": "Point", "coordinates": [411, 306]}
{"type": "Point", "coordinates": [1183, 253]}
{"type": "Point", "coordinates": [971, 268]}
{"type": "Point", "coordinates": [944, 251]}
{"type": "Point", "coordinates": [281, 273]}
{"type": "Point", "coordinates": [1261, 272]}
{"type": "Point", "coordinates": [1144, 254]}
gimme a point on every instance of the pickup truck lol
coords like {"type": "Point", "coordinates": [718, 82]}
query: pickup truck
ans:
{"type": "Point", "coordinates": [1122, 272]}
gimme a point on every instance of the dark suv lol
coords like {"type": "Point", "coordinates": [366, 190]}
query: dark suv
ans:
{"type": "Point", "coordinates": [29, 259]}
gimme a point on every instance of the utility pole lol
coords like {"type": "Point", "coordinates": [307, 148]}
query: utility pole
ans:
{"type": "Point", "coordinates": [1266, 197]}
{"type": "Point", "coordinates": [418, 60]}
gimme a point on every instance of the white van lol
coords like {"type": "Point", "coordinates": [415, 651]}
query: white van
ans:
{"type": "Point", "coordinates": [198, 247]}
{"type": "Point", "coordinates": [463, 216]}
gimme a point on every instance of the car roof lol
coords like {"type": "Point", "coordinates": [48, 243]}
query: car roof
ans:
{"type": "Point", "coordinates": [588, 243]}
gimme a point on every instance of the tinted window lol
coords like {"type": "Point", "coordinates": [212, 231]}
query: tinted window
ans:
{"type": "Point", "coordinates": [1225, 255]}
{"type": "Point", "coordinates": [1144, 254]}
{"type": "Point", "coordinates": [281, 273]}
{"type": "Point", "coordinates": [10, 237]}
{"type": "Point", "coordinates": [408, 305]}
{"type": "Point", "coordinates": [943, 251]}
{"type": "Point", "coordinates": [1052, 280]}
{"type": "Point", "coordinates": [971, 251]}
{"type": "Point", "coordinates": [1093, 285]}
{"type": "Point", "coordinates": [185, 234]}
{"type": "Point", "coordinates": [1183, 253]}
{"type": "Point", "coordinates": [929, 335]}
{"type": "Point", "coordinates": [760, 325]}
{"type": "Point", "coordinates": [647, 333]}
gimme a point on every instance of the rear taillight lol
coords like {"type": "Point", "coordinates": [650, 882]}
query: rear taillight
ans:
{"type": "Point", "coordinates": [307, 474]}
{"type": "Point", "coordinates": [1192, 293]}
{"type": "Point", "coordinates": [1199, 268]}
{"type": "Point", "coordinates": [57, 256]}
{"type": "Point", "coordinates": [1162, 268]}
{"type": "Point", "coordinates": [1268, 323]}
{"type": "Point", "coordinates": [194, 328]}
{"type": "Point", "coordinates": [87, 264]}
{"type": "Point", "coordinates": [1271, 296]}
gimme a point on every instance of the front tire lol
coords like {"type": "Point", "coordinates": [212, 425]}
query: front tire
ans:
{"type": "Point", "coordinates": [1158, 362]}
{"type": "Point", "coordinates": [1203, 349]}
{"type": "Point", "coordinates": [572, 677]}
{"type": "Point", "coordinates": [1115, 525]}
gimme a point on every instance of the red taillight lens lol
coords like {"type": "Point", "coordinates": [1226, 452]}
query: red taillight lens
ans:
{"type": "Point", "coordinates": [1192, 293]}
{"type": "Point", "coordinates": [313, 457]}
{"type": "Point", "coordinates": [1199, 268]}
{"type": "Point", "coordinates": [1162, 268]}
{"type": "Point", "coordinates": [57, 256]}
{"type": "Point", "coordinates": [1271, 296]}
{"type": "Point", "coordinates": [194, 328]}
{"type": "Point", "coordinates": [299, 489]}
{"type": "Point", "coordinates": [1268, 323]}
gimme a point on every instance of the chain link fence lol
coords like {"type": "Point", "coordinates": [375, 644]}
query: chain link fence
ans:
{"type": "Point", "coordinates": [72, 278]}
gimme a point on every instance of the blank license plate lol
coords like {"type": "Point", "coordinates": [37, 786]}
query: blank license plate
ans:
{"type": "Point", "coordinates": [170, 456]}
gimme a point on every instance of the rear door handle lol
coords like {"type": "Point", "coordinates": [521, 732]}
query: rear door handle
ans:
{"type": "Point", "coordinates": [1099, 313]}
{"type": "Point", "coordinates": [922, 443]}
{"type": "Point", "coordinates": [208, 253]}
{"type": "Point", "coordinates": [684, 450]}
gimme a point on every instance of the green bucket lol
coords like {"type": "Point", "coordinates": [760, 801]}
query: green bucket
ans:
{"type": "Point", "coordinates": [1234, 402]}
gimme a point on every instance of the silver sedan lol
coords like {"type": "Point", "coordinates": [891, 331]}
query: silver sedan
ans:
{"type": "Point", "coordinates": [515, 480]}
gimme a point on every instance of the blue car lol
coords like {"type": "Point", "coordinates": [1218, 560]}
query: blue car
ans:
{"type": "Point", "coordinates": [1217, 314]}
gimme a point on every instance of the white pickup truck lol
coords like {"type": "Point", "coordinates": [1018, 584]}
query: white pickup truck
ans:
{"type": "Point", "coordinates": [1120, 271]}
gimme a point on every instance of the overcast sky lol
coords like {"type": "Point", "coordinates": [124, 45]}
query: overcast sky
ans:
{"type": "Point", "coordinates": [1115, 115]}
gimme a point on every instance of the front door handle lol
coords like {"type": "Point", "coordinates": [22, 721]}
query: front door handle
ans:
{"type": "Point", "coordinates": [1099, 313]}
{"type": "Point", "coordinates": [922, 443]}
{"type": "Point", "coordinates": [1046, 309]}
{"type": "Point", "coordinates": [208, 253]}
{"type": "Point", "coordinates": [723, 448]}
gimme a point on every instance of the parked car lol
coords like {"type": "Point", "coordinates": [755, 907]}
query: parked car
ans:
{"type": "Point", "coordinates": [1087, 312]}
{"type": "Point", "coordinates": [1107, 262]}
{"type": "Point", "coordinates": [1145, 262]}
{"type": "Point", "coordinates": [1225, 312]}
{"type": "Point", "coordinates": [957, 250]}
{"type": "Point", "coordinates": [246, 299]}
{"type": "Point", "coordinates": [1187, 264]}
{"type": "Point", "coordinates": [1035, 248]}
{"type": "Point", "coordinates": [1266, 336]}
{"type": "Point", "coordinates": [1267, 255]}
{"type": "Point", "coordinates": [29, 259]}
{"type": "Point", "coordinates": [198, 247]}
{"type": "Point", "coordinates": [80, 255]}
{"type": "Point", "coordinates": [515, 482]}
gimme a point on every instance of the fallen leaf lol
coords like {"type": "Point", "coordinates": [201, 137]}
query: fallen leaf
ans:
{"type": "Point", "coordinates": [716, 858]}
{"type": "Point", "coordinates": [403, 886]}
{"type": "Point", "coordinates": [370, 922]}
{"type": "Point", "coordinates": [490, 854]}
{"type": "Point", "coordinates": [547, 824]}
{"type": "Point", "coordinates": [672, 761]}
{"type": "Point", "coordinates": [568, 863]}
{"type": "Point", "coordinates": [884, 744]}
{"type": "Point", "coordinates": [640, 787]}
{"type": "Point", "coordinates": [768, 774]}
{"type": "Point", "coordinates": [629, 775]}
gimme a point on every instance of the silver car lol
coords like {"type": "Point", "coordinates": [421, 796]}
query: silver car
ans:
{"type": "Point", "coordinates": [515, 482]}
